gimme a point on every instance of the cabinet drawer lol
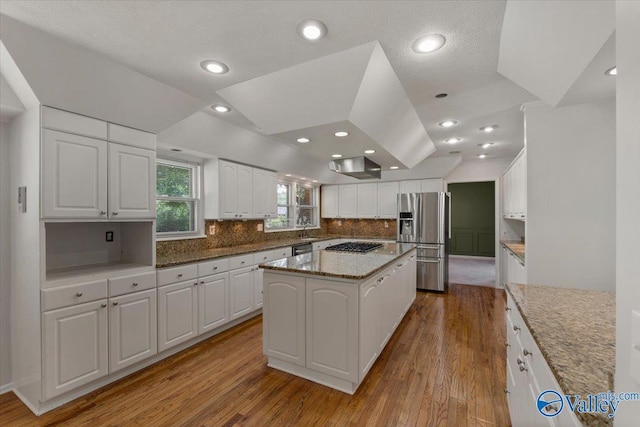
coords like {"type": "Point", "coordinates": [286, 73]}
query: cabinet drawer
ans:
{"type": "Point", "coordinates": [53, 118]}
{"type": "Point", "coordinates": [282, 253]}
{"type": "Point", "coordinates": [240, 261]}
{"type": "Point", "coordinates": [260, 257]}
{"type": "Point", "coordinates": [177, 274]}
{"type": "Point", "coordinates": [80, 293]}
{"type": "Point", "coordinates": [213, 267]}
{"type": "Point", "coordinates": [129, 136]}
{"type": "Point", "coordinates": [133, 283]}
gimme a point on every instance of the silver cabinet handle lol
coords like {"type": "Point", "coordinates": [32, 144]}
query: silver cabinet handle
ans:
{"type": "Point", "coordinates": [527, 352]}
{"type": "Point", "coordinates": [520, 362]}
{"type": "Point", "coordinates": [522, 368]}
{"type": "Point", "coordinates": [241, 262]}
{"type": "Point", "coordinates": [103, 305]}
{"type": "Point", "coordinates": [240, 216]}
{"type": "Point", "coordinates": [115, 303]}
{"type": "Point", "coordinates": [103, 212]}
{"type": "Point", "coordinates": [507, 344]}
{"type": "Point", "coordinates": [264, 258]}
{"type": "Point", "coordinates": [507, 308]}
{"type": "Point", "coordinates": [516, 328]}
{"type": "Point", "coordinates": [79, 294]}
{"type": "Point", "coordinates": [179, 275]}
{"type": "Point", "coordinates": [506, 391]}
{"type": "Point", "coordinates": [202, 282]}
{"type": "Point", "coordinates": [134, 284]}
{"type": "Point", "coordinates": [195, 283]}
{"type": "Point", "coordinates": [236, 215]}
{"type": "Point", "coordinates": [215, 268]}
{"type": "Point", "coordinates": [114, 213]}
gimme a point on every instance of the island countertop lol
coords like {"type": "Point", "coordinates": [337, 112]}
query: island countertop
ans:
{"type": "Point", "coordinates": [575, 331]}
{"type": "Point", "coordinates": [344, 265]}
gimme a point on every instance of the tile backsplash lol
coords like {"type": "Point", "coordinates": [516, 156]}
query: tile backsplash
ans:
{"type": "Point", "coordinates": [232, 233]}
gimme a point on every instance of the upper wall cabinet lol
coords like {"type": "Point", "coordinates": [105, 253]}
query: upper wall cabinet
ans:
{"type": "Point", "coordinates": [514, 189]}
{"type": "Point", "coordinates": [85, 176]}
{"type": "Point", "coordinates": [242, 192]}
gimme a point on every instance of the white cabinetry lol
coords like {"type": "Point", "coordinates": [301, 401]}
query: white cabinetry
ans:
{"type": "Point", "coordinates": [75, 346]}
{"type": "Point", "coordinates": [371, 331]}
{"type": "Point", "coordinates": [412, 186]}
{"type": "Point", "coordinates": [241, 191]}
{"type": "Point", "coordinates": [90, 177]}
{"type": "Point", "coordinates": [388, 199]}
{"type": "Point", "coordinates": [348, 201]}
{"type": "Point", "coordinates": [241, 291]}
{"type": "Point", "coordinates": [514, 270]}
{"type": "Point", "coordinates": [133, 331]}
{"type": "Point", "coordinates": [514, 188]}
{"type": "Point", "coordinates": [213, 294]}
{"type": "Point", "coordinates": [367, 202]}
{"type": "Point", "coordinates": [329, 201]}
{"type": "Point", "coordinates": [177, 313]}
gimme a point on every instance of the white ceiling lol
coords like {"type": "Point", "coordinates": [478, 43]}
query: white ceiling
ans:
{"type": "Point", "coordinates": [167, 40]}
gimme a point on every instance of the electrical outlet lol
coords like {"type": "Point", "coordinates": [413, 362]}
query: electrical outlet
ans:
{"type": "Point", "coordinates": [339, 223]}
{"type": "Point", "coordinates": [109, 236]}
{"type": "Point", "coordinates": [212, 230]}
{"type": "Point", "coordinates": [386, 224]}
{"type": "Point", "coordinates": [260, 227]}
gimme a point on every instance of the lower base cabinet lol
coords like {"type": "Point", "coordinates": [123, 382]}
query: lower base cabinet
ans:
{"type": "Point", "coordinates": [75, 346]}
{"type": "Point", "coordinates": [213, 293]}
{"type": "Point", "coordinates": [133, 329]}
{"type": "Point", "coordinates": [241, 291]}
{"type": "Point", "coordinates": [177, 313]}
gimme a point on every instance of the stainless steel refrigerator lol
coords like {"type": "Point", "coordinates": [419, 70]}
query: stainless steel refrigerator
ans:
{"type": "Point", "coordinates": [423, 219]}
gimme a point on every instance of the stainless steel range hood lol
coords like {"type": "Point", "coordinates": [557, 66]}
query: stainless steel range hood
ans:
{"type": "Point", "coordinates": [357, 167]}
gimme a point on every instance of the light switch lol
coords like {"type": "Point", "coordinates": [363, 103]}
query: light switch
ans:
{"type": "Point", "coordinates": [260, 227]}
{"type": "Point", "coordinates": [212, 230]}
{"type": "Point", "coordinates": [634, 361]}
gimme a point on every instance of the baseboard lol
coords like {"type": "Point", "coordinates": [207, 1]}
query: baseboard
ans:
{"type": "Point", "coordinates": [472, 257]}
{"type": "Point", "coordinates": [485, 285]}
{"type": "Point", "coordinates": [6, 388]}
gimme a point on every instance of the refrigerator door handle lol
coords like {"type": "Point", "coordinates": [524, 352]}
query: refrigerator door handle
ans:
{"type": "Point", "coordinates": [430, 260]}
{"type": "Point", "coordinates": [434, 246]}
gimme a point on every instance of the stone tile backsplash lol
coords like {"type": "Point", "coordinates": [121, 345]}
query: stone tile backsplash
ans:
{"type": "Point", "coordinates": [383, 228]}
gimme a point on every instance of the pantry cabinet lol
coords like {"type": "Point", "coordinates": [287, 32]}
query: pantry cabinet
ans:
{"type": "Point", "coordinates": [75, 341]}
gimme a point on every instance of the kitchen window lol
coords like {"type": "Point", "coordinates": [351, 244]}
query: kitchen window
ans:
{"type": "Point", "coordinates": [178, 204]}
{"type": "Point", "coordinates": [297, 208]}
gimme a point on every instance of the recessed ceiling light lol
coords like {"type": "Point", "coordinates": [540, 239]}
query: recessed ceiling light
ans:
{"type": "Point", "coordinates": [315, 180]}
{"type": "Point", "coordinates": [448, 123]}
{"type": "Point", "coordinates": [453, 140]}
{"type": "Point", "coordinates": [454, 152]}
{"type": "Point", "coordinates": [428, 43]}
{"type": "Point", "coordinates": [176, 149]}
{"type": "Point", "coordinates": [613, 71]}
{"type": "Point", "coordinates": [336, 156]}
{"type": "Point", "coordinates": [303, 178]}
{"type": "Point", "coordinates": [483, 156]}
{"type": "Point", "coordinates": [369, 151]}
{"type": "Point", "coordinates": [215, 67]}
{"type": "Point", "coordinates": [311, 30]}
{"type": "Point", "coordinates": [221, 108]}
{"type": "Point", "coordinates": [485, 145]}
{"type": "Point", "coordinates": [341, 134]}
{"type": "Point", "coordinates": [393, 167]}
{"type": "Point", "coordinates": [442, 95]}
{"type": "Point", "coordinates": [488, 128]}
{"type": "Point", "coordinates": [303, 140]}
{"type": "Point", "coordinates": [288, 174]}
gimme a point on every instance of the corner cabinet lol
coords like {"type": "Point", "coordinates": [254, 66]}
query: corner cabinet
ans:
{"type": "Point", "coordinates": [91, 177]}
{"type": "Point", "coordinates": [242, 191]}
{"type": "Point", "coordinates": [514, 189]}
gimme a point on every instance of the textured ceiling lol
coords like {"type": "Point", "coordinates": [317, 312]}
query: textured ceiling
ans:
{"type": "Point", "coordinates": [167, 40]}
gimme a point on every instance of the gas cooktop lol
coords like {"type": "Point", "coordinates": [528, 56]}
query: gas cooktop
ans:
{"type": "Point", "coordinates": [357, 247]}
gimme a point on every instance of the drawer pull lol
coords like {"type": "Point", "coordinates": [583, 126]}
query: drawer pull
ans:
{"type": "Point", "coordinates": [241, 262]}
{"type": "Point", "coordinates": [195, 283]}
{"type": "Point", "coordinates": [215, 268]}
{"type": "Point", "coordinates": [202, 282]}
{"type": "Point", "coordinates": [507, 308]}
{"type": "Point", "coordinates": [103, 212]}
{"type": "Point", "coordinates": [506, 391]}
{"type": "Point", "coordinates": [134, 284]}
{"type": "Point", "coordinates": [115, 303]}
{"type": "Point", "coordinates": [527, 352]}
{"type": "Point", "coordinates": [516, 328]}
{"type": "Point", "coordinates": [507, 344]}
{"type": "Point", "coordinates": [180, 275]}
{"type": "Point", "coordinates": [103, 305]}
{"type": "Point", "coordinates": [79, 294]}
{"type": "Point", "coordinates": [520, 361]}
{"type": "Point", "coordinates": [522, 368]}
{"type": "Point", "coordinates": [114, 213]}
{"type": "Point", "coordinates": [264, 257]}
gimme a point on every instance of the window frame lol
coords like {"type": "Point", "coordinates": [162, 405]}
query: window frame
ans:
{"type": "Point", "coordinates": [196, 165]}
{"type": "Point", "coordinates": [292, 204]}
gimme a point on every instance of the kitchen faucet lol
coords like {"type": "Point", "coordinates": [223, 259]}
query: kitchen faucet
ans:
{"type": "Point", "coordinates": [303, 235]}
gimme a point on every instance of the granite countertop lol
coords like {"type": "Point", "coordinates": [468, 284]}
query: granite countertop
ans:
{"type": "Point", "coordinates": [343, 265]}
{"type": "Point", "coordinates": [209, 254]}
{"type": "Point", "coordinates": [575, 330]}
{"type": "Point", "coordinates": [515, 246]}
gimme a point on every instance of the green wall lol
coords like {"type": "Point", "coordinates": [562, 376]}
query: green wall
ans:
{"type": "Point", "coordinates": [472, 219]}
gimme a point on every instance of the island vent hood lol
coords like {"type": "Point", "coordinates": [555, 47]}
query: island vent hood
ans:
{"type": "Point", "coordinates": [357, 167]}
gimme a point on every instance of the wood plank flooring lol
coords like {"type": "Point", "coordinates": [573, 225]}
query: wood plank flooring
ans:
{"type": "Point", "coordinates": [444, 366]}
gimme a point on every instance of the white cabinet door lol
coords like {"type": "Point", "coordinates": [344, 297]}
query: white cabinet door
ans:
{"type": "Point", "coordinates": [75, 346]}
{"type": "Point", "coordinates": [413, 186]}
{"type": "Point", "coordinates": [259, 186]}
{"type": "Point", "coordinates": [213, 294]}
{"type": "Point", "coordinates": [245, 191]}
{"type": "Point", "coordinates": [74, 176]}
{"type": "Point", "coordinates": [431, 185]}
{"type": "Point", "coordinates": [370, 331]}
{"type": "Point", "coordinates": [329, 201]}
{"type": "Point", "coordinates": [284, 318]}
{"type": "Point", "coordinates": [241, 292]}
{"type": "Point", "coordinates": [388, 199]}
{"type": "Point", "coordinates": [367, 200]}
{"type": "Point", "coordinates": [228, 186]}
{"type": "Point", "coordinates": [348, 201]}
{"type": "Point", "coordinates": [258, 291]}
{"type": "Point", "coordinates": [331, 347]}
{"type": "Point", "coordinates": [177, 313]}
{"type": "Point", "coordinates": [133, 328]}
{"type": "Point", "coordinates": [272, 195]}
{"type": "Point", "coordinates": [132, 182]}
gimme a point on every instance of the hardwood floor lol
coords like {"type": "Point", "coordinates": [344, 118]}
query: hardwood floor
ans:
{"type": "Point", "coordinates": [444, 366]}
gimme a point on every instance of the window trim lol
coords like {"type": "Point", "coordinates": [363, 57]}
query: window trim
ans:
{"type": "Point", "coordinates": [292, 204]}
{"type": "Point", "coordinates": [197, 198]}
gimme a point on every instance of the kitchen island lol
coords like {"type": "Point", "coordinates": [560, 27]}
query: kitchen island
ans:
{"type": "Point", "coordinates": [328, 315]}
